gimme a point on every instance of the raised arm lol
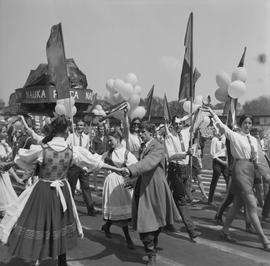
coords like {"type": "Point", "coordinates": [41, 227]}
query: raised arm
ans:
{"type": "Point", "coordinates": [126, 129]}
{"type": "Point", "coordinates": [228, 132]}
{"type": "Point", "coordinates": [35, 136]}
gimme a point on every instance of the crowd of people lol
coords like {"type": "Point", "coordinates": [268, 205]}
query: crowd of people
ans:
{"type": "Point", "coordinates": [148, 186]}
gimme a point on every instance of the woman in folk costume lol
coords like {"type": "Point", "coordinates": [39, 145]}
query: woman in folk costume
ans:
{"type": "Point", "coordinates": [244, 148]}
{"type": "Point", "coordinates": [7, 192]}
{"type": "Point", "coordinates": [48, 224]}
{"type": "Point", "coordinates": [153, 206]}
{"type": "Point", "coordinates": [116, 197]}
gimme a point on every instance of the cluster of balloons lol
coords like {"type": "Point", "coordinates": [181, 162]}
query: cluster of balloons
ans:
{"type": "Point", "coordinates": [234, 87]}
{"type": "Point", "coordinates": [66, 107]}
{"type": "Point", "coordinates": [128, 90]}
{"type": "Point", "coordinates": [98, 110]}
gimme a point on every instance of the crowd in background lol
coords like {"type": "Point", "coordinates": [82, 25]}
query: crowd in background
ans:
{"type": "Point", "coordinates": [143, 151]}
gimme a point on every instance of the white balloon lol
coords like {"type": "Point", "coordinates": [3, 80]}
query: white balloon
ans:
{"type": "Point", "coordinates": [139, 111]}
{"type": "Point", "coordinates": [127, 90]}
{"type": "Point", "coordinates": [239, 73]}
{"type": "Point", "coordinates": [186, 106]}
{"type": "Point", "coordinates": [236, 89]}
{"type": "Point", "coordinates": [110, 85]}
{"type": "Point", "coordinates": [221, 94]}
{"type": "Point", "coordinates": [223, 80]}
{"type": "Point", "coordinates": [117, 97]}
{"type": "Point", "coordinates": [132, 79]}
{"type": "Point", "coordinates": [98, 107]}
{"type": "Point", "coordinates": [118, 85]}
{"type": "Point", "coordinates": [60, 109]}
{"type": "Point", "coordinates": [198, 99]}
{"type": "Point", "coordinates": [137, 90]}
{"type": "Point", "coordinates": [134, 101]}
{"type": "Point", "coordinates": [74, 110]}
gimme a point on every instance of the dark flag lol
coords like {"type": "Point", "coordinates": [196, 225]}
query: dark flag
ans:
{"type": "Point", "coordinates": [149, 100]}
{"type": "Point", "coordinates": [242, 60]}
{"type": "Point", "coordinates": [167, 113]}
{"type": "Point", "coordinates": [230, 107]}
{"type": "Point", "coordinates": [185, 88]}
{"type": "Point", "coordinates": [57, 61]}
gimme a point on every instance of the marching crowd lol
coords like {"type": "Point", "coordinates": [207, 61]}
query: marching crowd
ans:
{"type": "Point", "coordinates": [147, 184]}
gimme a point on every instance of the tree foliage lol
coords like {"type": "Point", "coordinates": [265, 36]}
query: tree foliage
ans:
{"type": "Point", "coordinates": [258, 106]}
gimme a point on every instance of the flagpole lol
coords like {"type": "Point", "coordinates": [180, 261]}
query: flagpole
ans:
{"type": "Point", "coordinates": [191, 87]}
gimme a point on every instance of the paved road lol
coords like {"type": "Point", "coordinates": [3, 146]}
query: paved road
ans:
{"type": "Point", "coordinates": [174, 248]}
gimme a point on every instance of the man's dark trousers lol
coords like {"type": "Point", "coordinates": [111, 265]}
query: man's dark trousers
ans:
{"type": "Point", "coordinates": [76, 173]}
{"type": "Point", "coordinates": [177, 177]}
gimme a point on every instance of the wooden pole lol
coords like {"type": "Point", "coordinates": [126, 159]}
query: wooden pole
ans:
{"type": "Point", "coordinates": [191, 88]}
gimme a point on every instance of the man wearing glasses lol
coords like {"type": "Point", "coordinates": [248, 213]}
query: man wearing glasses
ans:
{"type": "Point", "coordinates": [178, 152]}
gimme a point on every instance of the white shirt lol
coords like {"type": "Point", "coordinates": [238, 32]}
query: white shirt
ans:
{"type": "Point", "coordinates": [240, 146]}
{"type": "Point", "coordinates": [173, 145]}
{"type": "Point", "coordinates": [134, 142]}
{"type": "Point", "coordinates": [118, 157]}
{"type": "Point", "coordinates": [218, 147]}
{"type": "Point", "coordinates": [27, 159]}
{"type": "Point", "coordinates": [74, 140]}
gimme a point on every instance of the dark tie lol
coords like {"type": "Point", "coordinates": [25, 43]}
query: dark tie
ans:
{"type": "Point", "coordinates": [80, 143]}
{"type": "Point", "coordinates": [253, 154]}
{"type": "Point", "coordinates": [183, 149]}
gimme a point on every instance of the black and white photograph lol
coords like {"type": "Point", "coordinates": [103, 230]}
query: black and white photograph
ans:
{"type": "Point", "coordinates": [135, 132]}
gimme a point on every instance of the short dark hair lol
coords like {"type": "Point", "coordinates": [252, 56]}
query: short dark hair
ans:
{"type": "Point", "coordinates": [116, 134]}
{"type": "Point", "coordinates": [59, 125]}
{"type": "Point", "coordinates": [148, 127]}
{"type": "Point", "coordinates": [243, 118]}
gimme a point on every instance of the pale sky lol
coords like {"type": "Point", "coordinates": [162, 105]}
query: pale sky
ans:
{"type": "Point", "coordinates": [111, 38]}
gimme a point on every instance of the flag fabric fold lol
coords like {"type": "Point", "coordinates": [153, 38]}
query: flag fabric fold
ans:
{"type": "Point", "coordinates": [242, 60]}
{"type": "Point", "coordinates": [185, 92]}
{"type": "Point", "coordinates": [167, 113]}
{"type": "Point", "coordinates": [57, 61]}
{"type": "Point", "coordinates": [149, 100]}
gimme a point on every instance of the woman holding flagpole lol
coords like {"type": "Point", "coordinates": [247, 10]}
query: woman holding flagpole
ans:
{"type": "Point", "coordinates": [244, 148]}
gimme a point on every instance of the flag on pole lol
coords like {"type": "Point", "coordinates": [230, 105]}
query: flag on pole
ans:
{"type": "Point", "coordinates": [196, 76]}
{"type": "Point", "coordinates": [117, 110]}
{"type": "Point", "coordinates": [167, 113]}
{"type": "Point", "coordinates": [242, 60]}
{"type": "Point", "coordinates": [185, 91]}
{"type": "Point", "coordinates": [57, 61]}
{"type": "Point", "coordinates": [149, 100]}
{"type": "Point", "coordinates": [231, 104]}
